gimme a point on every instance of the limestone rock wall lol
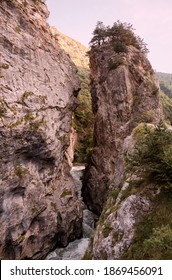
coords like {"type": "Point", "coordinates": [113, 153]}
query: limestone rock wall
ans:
{"type": "Point", "coordinates": [39, 208]}
{"type": "Point", "coordinates": [125, 92]}
{"type": "Point", "coordinates": [125, 208]}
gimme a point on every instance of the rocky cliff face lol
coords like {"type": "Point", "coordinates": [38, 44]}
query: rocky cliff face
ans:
{"type": "Point", "coordinates": [125, 92]}
{"type": "Point", "coordinates": [125, 95]}
{"type": "Point", "coordinates": [39, 208]}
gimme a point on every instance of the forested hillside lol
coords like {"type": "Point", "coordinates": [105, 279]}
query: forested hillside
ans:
{"type": "Point", "coordinates": [165, 81]}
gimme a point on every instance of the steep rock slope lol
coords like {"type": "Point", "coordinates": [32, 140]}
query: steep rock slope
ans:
{"type": "Point", "coordinates": [39, 208]}
{"type": "Point", "coordinates": [125, 92]}
{"type": "Point", "coordinates": [136, 221]}
{"type": "Point", "coordinates": [126, 181]}
{"type": "Point", "coordinates": [75, 49]}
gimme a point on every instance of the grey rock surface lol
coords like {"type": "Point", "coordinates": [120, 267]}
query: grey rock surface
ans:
{"type": "Point", "coordinates": [116, 234]}
{"type": "Point", "coordinates": [39, 208]}
{"type": "Point", "coordinates": [123, 96]}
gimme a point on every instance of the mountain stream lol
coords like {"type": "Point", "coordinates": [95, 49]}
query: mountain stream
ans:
{"type": "Point", "coordinates": [76, 249]}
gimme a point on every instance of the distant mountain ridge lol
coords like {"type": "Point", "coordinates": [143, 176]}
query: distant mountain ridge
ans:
{"type": "Point", "coordinates": [165, 82]}
{"type": "Point", "coordinates": [76, 50]}
{"type": "Point", "coordinates": [167, 77]}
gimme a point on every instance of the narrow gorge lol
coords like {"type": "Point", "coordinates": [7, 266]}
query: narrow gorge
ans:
{"type": "Point", "coordinates": [81, 182]}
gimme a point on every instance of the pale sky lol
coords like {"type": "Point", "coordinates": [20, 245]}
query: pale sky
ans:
{"type": "Point", "coordinates": [152, 20]}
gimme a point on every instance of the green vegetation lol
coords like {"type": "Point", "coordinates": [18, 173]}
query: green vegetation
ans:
{"type": "Point", "coordinates": [3, 109]}
{"type": "Point", "coordinates": [148, 116]}
{"type": "Point", "coordinates": [165, 80]}
{"type": "Point", "coordinates": [20, 171]}
{"type": "Point", "coordinates": [54, 206]}
{"type": "Point", "coordinates": [106, 230]}
{"type": "Point", "coordinates": [13, 125]}
{"type": "Point", "coordinates": [166, 88]}
{"type": "Point", "coordinates": [119, 47]}
{"type": "Point", "coordinates": [29, 117]}
{"type": "Point", "coordinates": [161, 238]}
{"type": "Point", "coordinates": [36, 124]}
{"type": "Point", "coordinates": [112, 65]}
{"type": "Point", "coordinates": [34, 210]}
{"type": "Point", "coordinates": [132, 189]}
{"type": "Point", "coordinates": [17, 29]}
{"type": "Point", "coordinates": [167, 107]}
{"type": "Point", "coordinates": [4, 66]}
{"type": "Point", "coordinates": [83, 116]}
{"type": "Point", "coordinates": [153, 238]}
{"type": "Point", "coordinates": [83, 120]}
{"type": "Point", "coordinates": [166, 77]}
{"type": "Point", "coordinates": [66, 193]}
{"type": "Point", "coordinates": [87, 255]}
{"type": "Point", "coordinates": [114, 192]}
{"type": "Point", "coordinates": [21, 238]}
{"type": "Point", "coordinates": [152, 161]}
{"type": "Point", "coordinates": [120, 35]}
{"type": "Point", "coordinates": [152, 156]}
{"type": "Point", "coordinates": [103, 255]}
{"type": "Point", "coordinates": [25, 95]}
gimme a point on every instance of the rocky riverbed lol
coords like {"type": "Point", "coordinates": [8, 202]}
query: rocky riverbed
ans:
{"type": "Point", "coordinates": [76, 249]}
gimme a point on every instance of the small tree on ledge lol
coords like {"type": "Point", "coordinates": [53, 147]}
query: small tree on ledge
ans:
{"type": "Point", "coordinates": [120, 35]}
{"type": "Point", "coordinates": [99, 34]}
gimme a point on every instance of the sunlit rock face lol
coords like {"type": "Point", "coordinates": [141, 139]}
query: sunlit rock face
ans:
{"type": "Point", "coordinates": [125, 92]}
{"type": "Point", "coordinates": [125, 97]}
{"type": "Point", "coordinates": [39, 208]}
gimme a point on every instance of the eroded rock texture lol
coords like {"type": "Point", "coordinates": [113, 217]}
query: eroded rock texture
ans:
{"type": "Point", "coordinates": [39, 208]}
{"type": "Point", "coordinates": [125, 92]}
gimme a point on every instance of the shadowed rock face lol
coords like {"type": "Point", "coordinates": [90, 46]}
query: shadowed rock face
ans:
{"type": "Point", "coordinates": [125, 92]}
{"type": "Point", "coordinates": [39, 208]}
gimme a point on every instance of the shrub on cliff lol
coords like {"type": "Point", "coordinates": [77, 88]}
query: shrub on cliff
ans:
{"type": "Point", "coordinates": [120, 35]}
{"type": "Point", "coordinates": [159, 244]}
{"type": "Point", "coordinates": [113, 64]}
{"type": "Point", "coordinates": [167, 107]}
{"type": "Point", "coordinates": [153, 237]}
{"type": "Point", "coordinates": [152, 156]}
{"type": "Point", "coordinates": [99, 34]}
{"type": "Point", "coordinates": [83, 120]}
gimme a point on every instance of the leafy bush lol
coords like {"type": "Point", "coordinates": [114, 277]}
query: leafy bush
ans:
{"type": "Point", "coordinates": [120, 47]}
{"type": "Point", "coordinates": [83, 120]}
{"type": "Point", "coordinates": [113, 64]}
{"type": "Point", "coordinates": [120, 35]}
{"type": "Point", "coordinates": [153, 237]}
{"type": "Point", "coordinates": [159, 244]}
{"type": "Point", "coordinates": [167, 106]}
{"type": "Point", "coordinates": [152, 156]}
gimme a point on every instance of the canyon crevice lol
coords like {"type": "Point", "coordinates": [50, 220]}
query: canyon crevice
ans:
{"type": "Point", "coordinates": [127, 182]}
